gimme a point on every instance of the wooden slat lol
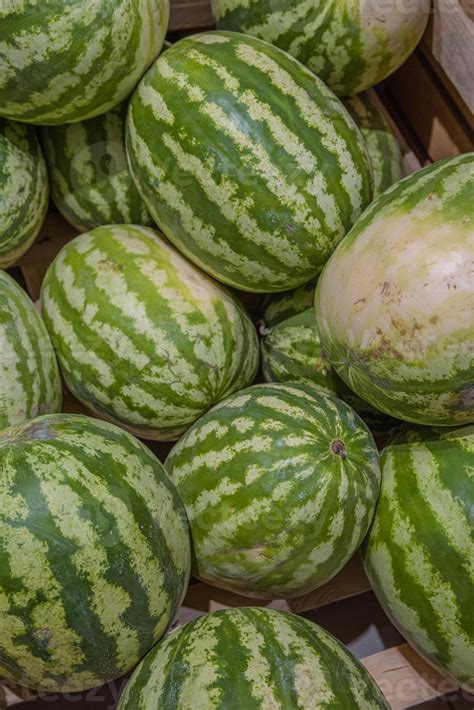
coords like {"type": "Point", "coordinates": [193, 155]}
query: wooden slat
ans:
{"type": "Point", "coordinates": [429, 111]}
{"type": "Point", "coordinates": [350, 582]}
{"type": "Point", "coordinates": [449, 41]}
{"type": "Point", "coordinates": [189, 15]}
{"type": "Point", "coordinates": [405, 678]}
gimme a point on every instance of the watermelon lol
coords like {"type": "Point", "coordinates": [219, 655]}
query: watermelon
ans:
{"type": "Point", "coordinates": [277, 307]}
{"type": "Point", "coordinates": [143, 338]}
{"type": "Point", "coordinates": [280, 484]}
{"type": "Point", "coordinates": [90, 181]}
{"type": "Point", "coordinates": [250, 659]}
{"type": "Point", "coordinates": [94, 552]}
{"type": "Point", "coordinates": [24, 191]}
{"type": "Point", "coordinates": [246, 161]}
{"type": "Point", "coordinates": [394, 303]}
{"type": "Point", "coordinates": [420, 551]}
{"type": "Point", "coordinates": [384, 149]}
{"type": "Point", "coordinates": [350, 45]}
{"type": "Point", "coordinates": [63, 62]}
{"type": "Point", "coordinates": [291, 350]}
{"type": "Point", "coordinates": [289, 341]}
{"type": "Point", "coordinates": [29, 377]}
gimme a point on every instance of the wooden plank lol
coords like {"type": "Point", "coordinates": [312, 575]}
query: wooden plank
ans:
{"type": "Point", "coordinates": [405, 678]}
{"type": "Point", "coordinates": [190, 15]}
{"type": "Point", "coordinates": [54, 233]}
{"type": "Point", "coordinates": [350, 582]}
{"type": "Point", "coordinates": [429, 111]}
{"type": "Point", "coordinates": [449, 41]}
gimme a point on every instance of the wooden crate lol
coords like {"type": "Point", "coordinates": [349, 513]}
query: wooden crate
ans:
{"type": "Point", "coordinates": [405, 678]}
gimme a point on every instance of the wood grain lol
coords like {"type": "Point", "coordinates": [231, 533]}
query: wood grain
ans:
{"type": "Point", "coordinates": [428, 109]}
{"type": "Point", "coordinates": [405, 678]}
{"type": "Point", "coordinates": [449, 41]}
{"type": "Point", "coordinates": [190, 15]}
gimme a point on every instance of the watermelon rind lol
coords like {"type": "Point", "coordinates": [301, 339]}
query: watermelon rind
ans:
{"type": "Point", "coordinates": [394, 302]}
{"type": "Point", "coordinates": [30, 384]}
{"type": "Point", "coordinates": [279, 482]}
{"type": "Point", "coordinates": [143, 338]}
{"type": "Point", "coordinates": [246, 161]}
{"type": "Point", "coordinates": [251, 658]}
{"type": "Point", "coordinates": [24, 190]}
{"type": "Point", "coordinates": [420, 552]}
{"type": "Point", "coordinates": [94, 550]}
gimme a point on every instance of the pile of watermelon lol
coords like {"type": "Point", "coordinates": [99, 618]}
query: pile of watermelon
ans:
{"type": "Point", "coordinates": [255, 281]}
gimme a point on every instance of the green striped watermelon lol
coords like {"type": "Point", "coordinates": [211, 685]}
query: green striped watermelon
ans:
{"type": "Point", "coordinates": [384, 149]}
{"type": "Point", "coordinates": [351, 45]}
{"type": "Point", "coordinates": [144, 338]}
{"type": "Point", "coordinates": [67, 61]}
{"type": "Point", "coordinates": [277, 307]}
{"type": "Point", "coordinates": [394, 303]}
{"type": "Point", "coordinates": [246, 161]}
{"type": "Point", "coordinates": [90, 181]}
{"type": "Point", "coordinates": [29, 377]}
{"type": "Point", "coordinates": [24, 189]}
{"type": "Point", "coordinates": [280, 484]}
{"type": "Point", "coordinates": [94, 552]}
{"type": "Point", "coordinates": [420, 552]}
{"type": "Point", "coordinates": [289, 341]}
{"type": "Point", "coordinates": [251, 659]}
{"type": "Point", "coordinates": [291, 350]}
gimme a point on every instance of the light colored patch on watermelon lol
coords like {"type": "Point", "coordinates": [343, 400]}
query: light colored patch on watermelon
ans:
{"type": "Point", "coordinates": [310, 679]}
{"type": "Point", "coordinates": [197, 690]}
{"type": "Point", "coordinates": [258, 672]}
{"type": "Point", "coordinates": [63, 643]}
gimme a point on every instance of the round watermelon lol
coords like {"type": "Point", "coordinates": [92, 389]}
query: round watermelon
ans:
{"type": "Point", "coordinates": [29, 383]}
{"type": "Point", "coordinates": [253, 659]}
{"type": "Point", "coordinates": [420, 552]}
{"type": "Point", "coordinates": [291, 350]}
{"type": "Point", "coordinates": [24, 191]}
{"type": "Point", "coordinates": [95, 552]}
{"type": "Point", "coordinates": [246, 161]}
{"type": "Point", "coordinates": [90, 181]}
{"type": "Point", "coordinates": [143, 338]}
{"type": "Point", "coordinates": [394, 303]}
{"type": "Point", "coordinates": [350, 44]}
{"type": "Point", "coordinates": [280, 484]}
{"type": "Point", "coordinates": [67, 61]}
{"type": "Point", "coordinates": [384, 149]}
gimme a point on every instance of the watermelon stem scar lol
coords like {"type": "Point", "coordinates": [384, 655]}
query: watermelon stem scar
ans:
{"type": "Point", "coordinates": [338, 448]}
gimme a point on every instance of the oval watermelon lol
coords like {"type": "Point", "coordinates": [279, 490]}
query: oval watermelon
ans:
{"type": "Point", "coordinates": [280, 484]}
{"type": "Point", "coordinates": [384, 149]}
{"type": "Point", "coordinates": [351, 45]}
{"type": "Point", "coordinates": [394, 303]}
{"type": "Point", "coordinates": [142, 336]}
{"type": "Point", "coordinates": [420, 551]}
{"type": "Point", "coordinates": [24, 191]}
{"type": "Point", "coordinates": [90, 181]}
{"type": "Point", "coordinates": [65, 62]}
{"type": "Point", "coordinates": [246, 161]}
{"type": "Point", "coordinates": [251, 659]}
{"type": "Point", "coordinates": [95, 552]}
{"type": "Point", "coordinates": [29, 384]}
